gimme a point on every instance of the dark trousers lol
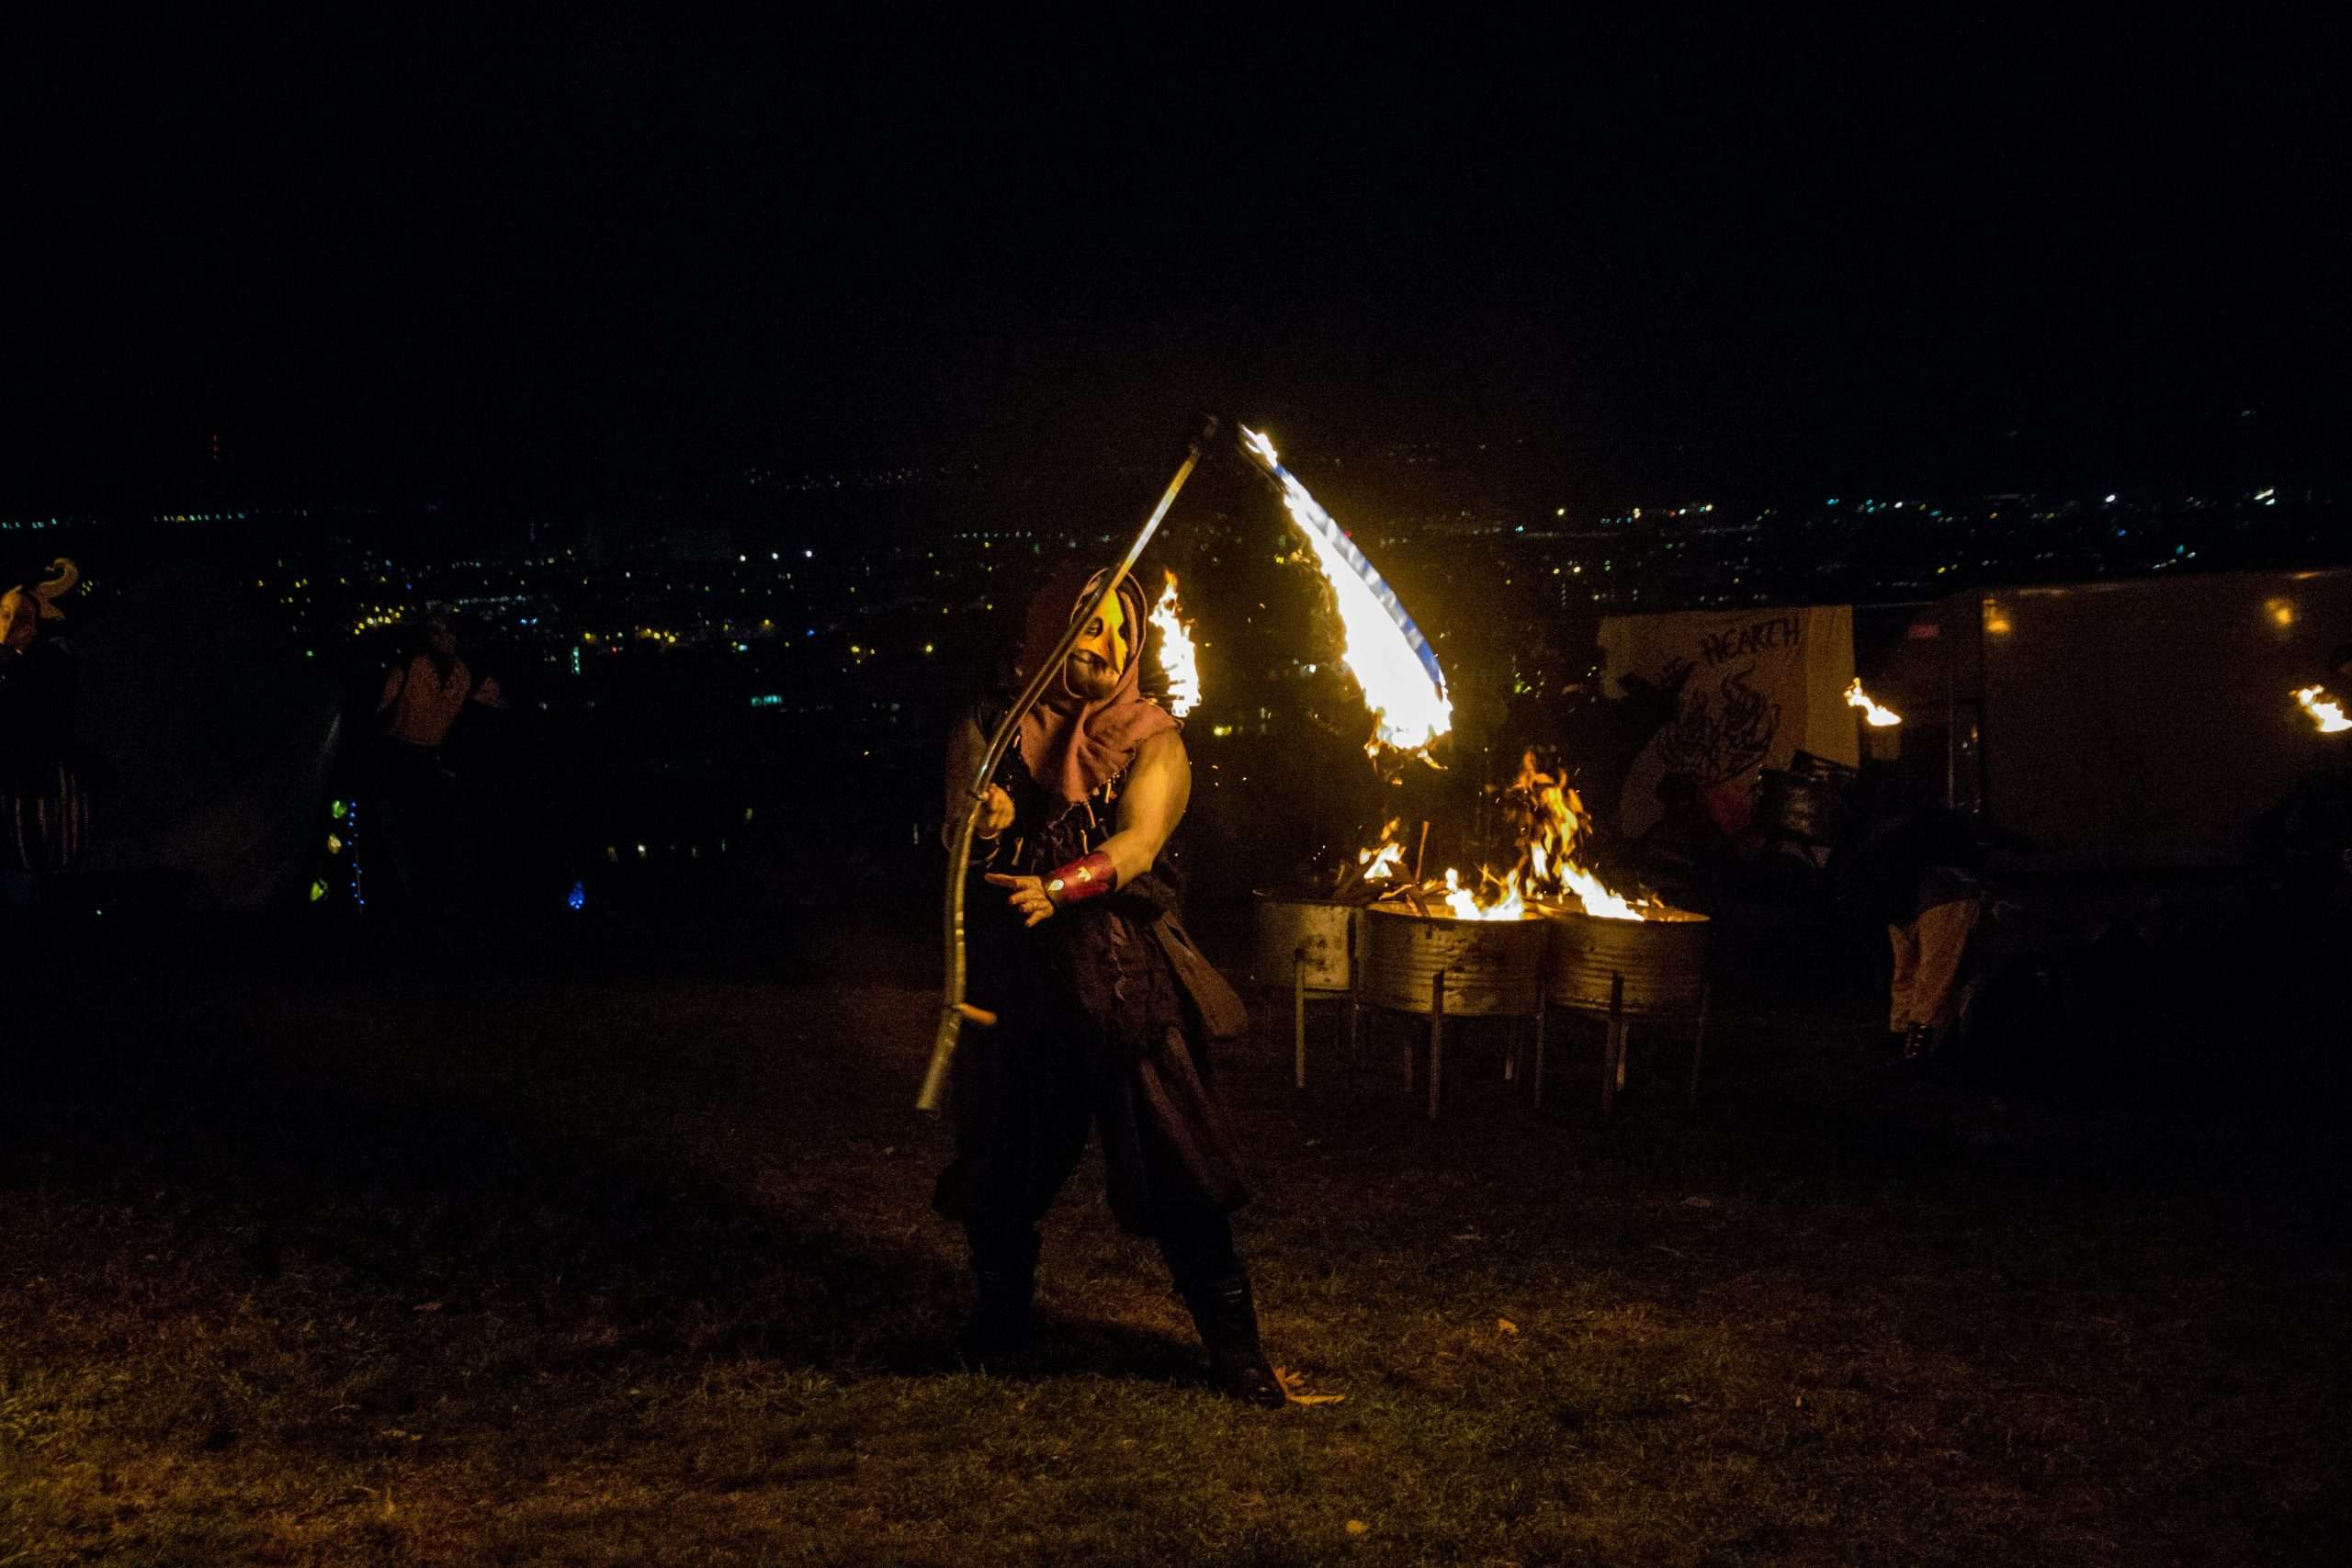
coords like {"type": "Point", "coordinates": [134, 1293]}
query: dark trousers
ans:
{"type": "Point", "coordinates": [417, 825]}
{"type": "Point", "coordinates": [1024, 1103]}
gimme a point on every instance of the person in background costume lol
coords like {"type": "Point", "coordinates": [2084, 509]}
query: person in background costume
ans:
{"type": "Point", "coordinates": [423, 697]}
{"type": "Point", "coordinates": [424, 693]}
{"type": "Point", "coordinates": [48, 814]}
{"type": "Point", "coordinates": [1104, 1007]}
{"type": "Point", "coordinates": [1929, 895]}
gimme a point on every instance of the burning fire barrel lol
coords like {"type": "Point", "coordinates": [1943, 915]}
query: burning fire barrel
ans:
{"type": "Point", "coordinates": [1651, 970]}
{"type": "Point", "coordinates": [1493, 968]}
{"type": "Point", "coordinates": [1440, 966]}
{"type": "Point", "coordinates": [1663, 961]}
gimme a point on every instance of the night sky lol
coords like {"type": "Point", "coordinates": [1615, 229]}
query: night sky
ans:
{"type": "Point", "coordinates": [597, 257]}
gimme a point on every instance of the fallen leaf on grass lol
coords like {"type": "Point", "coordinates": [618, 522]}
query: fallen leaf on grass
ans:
{"type": "Point", "coordinates": [426, 1306]}
{"type": "Point", "coordinates": [1295, 1386]}
{"type": "Point", "coordinates": [1507, 1326]}
{"type": "Point", "coordinates": [1698, 1202]}
{"type": "Point", "coordinates": [1357, 1527]}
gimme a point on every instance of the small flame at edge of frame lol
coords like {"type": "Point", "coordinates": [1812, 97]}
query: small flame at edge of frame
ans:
{"type": "Point", "coordinates": [1878, 718]}
{"type": "Point", "coordinates": [2325, 711]}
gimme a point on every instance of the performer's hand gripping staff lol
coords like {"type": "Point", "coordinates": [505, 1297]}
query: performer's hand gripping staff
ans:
{"type": "Point", "coordinates": [955, 1011]}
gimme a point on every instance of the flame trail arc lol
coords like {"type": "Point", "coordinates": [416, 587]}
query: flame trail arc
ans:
{"type": "Point", "coordinates": [1390, 658]}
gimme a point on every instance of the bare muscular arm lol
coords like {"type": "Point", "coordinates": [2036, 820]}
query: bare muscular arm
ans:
{"type": "Point", "coordinates": [1158, 787]}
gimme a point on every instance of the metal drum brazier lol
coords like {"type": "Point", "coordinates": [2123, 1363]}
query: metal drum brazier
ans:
{"type": "Point", "coordinates": [1663, 961]}
{"type": "Point", "coordinates": [1307, 944]}
{"type": "Point", "coordinates": [1652, 970]}
{"type": "Point", "coordinates": [1314, 929]}
{"type": "Point", "coordinates": [1493, 968]}
{"type": "Point", "coordinates": [1440, 967]}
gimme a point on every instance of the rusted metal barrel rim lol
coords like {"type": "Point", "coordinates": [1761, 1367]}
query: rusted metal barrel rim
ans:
{"type": "Point", "coordinates": [1663, 961]}
{"type": "Point", "coordinates": [1493, 968]}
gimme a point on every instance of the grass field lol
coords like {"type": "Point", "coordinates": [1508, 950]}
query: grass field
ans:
{"type": "Point", "coordinates": [417, 1265]}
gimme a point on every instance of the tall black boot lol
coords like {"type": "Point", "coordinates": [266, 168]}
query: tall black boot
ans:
{"type": "Point", "coordinates": [1004, 1273]}
{"type": "Point", "coordinates": [1226, 1315]}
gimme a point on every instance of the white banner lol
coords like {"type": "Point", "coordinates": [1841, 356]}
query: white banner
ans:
{"type": "Point", "coordinates": [1761, 685]}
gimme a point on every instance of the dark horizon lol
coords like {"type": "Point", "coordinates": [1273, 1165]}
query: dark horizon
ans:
{"type": "Point", "coordinates": [534, 269]}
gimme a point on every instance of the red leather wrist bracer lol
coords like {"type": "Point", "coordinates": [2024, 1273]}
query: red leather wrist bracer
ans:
{"type": "Point", "coordinates": [1089, 876]}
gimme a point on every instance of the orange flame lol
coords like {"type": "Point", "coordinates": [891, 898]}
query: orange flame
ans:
{"type": "Point", "coordinates": [1560, 822]}
{"type": "Point", "coordinates": [1547, 866]}
{"type": "Point", "coordinates": [1878, 718]}
{"type": "Point", "coordinates": [1178, 659]}
{"type": "Point", "coordinates": [1380, 861]}
{"type": "Point", "coordinates": [2325, 711]}
{"type": "Point", "coordinates": [1506, 905]}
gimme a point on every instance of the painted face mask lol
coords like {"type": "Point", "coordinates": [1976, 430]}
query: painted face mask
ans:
{"type": "Point", "coordinates": [1107, 636]}
{"type": "Point", "coordinates": [16, 619]}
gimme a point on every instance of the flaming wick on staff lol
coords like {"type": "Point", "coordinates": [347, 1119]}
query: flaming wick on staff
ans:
{"type": "Point", "coordinates": [2325, 711]}
{"type": "Point", "coordinates": [1878, 718]}
{"type": "Point", "coordinates": [1392, 662]}
{"type": "Point", "coordinates": [1178, 659]}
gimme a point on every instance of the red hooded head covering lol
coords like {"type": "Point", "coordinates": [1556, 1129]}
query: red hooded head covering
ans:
{"type": "Point", "coordinates": [1074, 747]}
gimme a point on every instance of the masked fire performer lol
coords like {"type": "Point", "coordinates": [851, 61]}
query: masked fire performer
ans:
{"type": "Point", "coordinates": [1104, 1007]}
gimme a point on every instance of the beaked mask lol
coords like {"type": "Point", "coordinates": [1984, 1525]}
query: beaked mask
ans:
{"type": "Point", "coordinates": [1107, 634]}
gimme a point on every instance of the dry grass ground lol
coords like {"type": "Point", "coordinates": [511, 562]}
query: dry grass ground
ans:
{"type": "Point", "coordinates": [421, 1267]}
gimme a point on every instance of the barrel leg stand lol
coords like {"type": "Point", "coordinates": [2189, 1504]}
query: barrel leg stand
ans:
{"type": "Point", "coordinates": [1612, 1051]}
{"type": "Point", "coordinates": [1542, 1009]}
{"type": "Point", "coordinates": [1699, 1042]}
{"type": "Point", "coordinates": [1437, 1039]}
{"type": "Point", "coordinates": [1298, 1018]}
